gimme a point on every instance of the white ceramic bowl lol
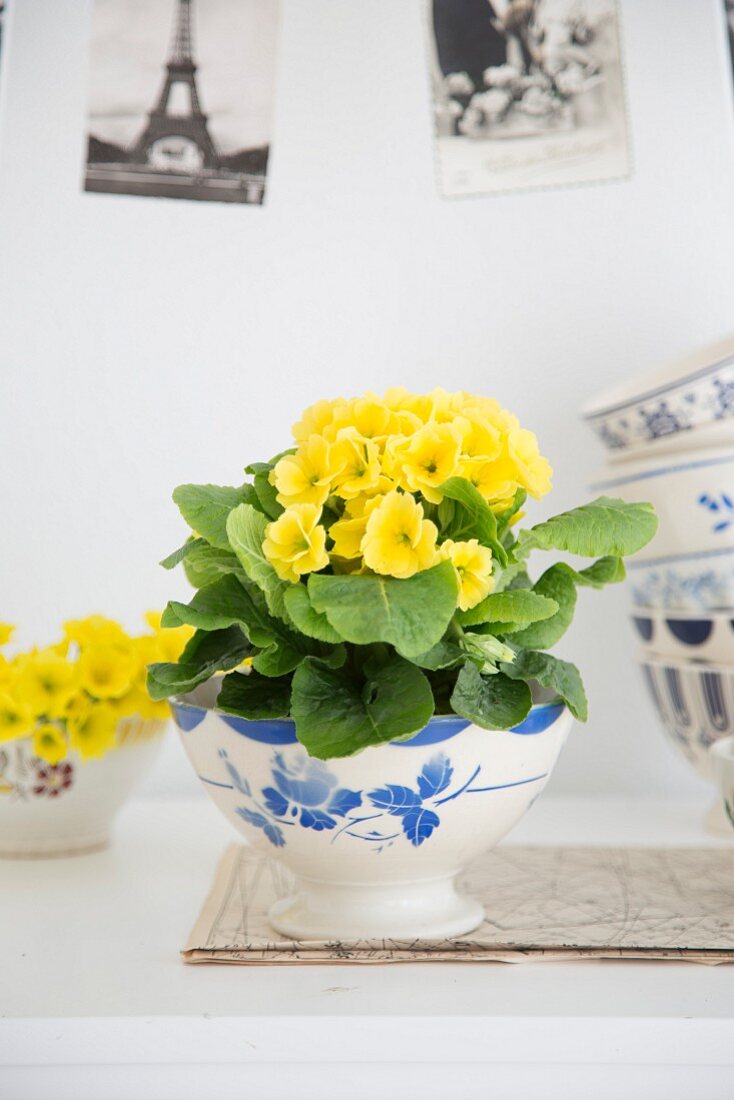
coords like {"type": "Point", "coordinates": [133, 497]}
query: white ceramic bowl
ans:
{"type": "Point", "coordinates": [375, 840]}
{"type": "Point", "coordinates": [722, 763]}
{"type": "Point", "coordinates": [696, 706]}
{"type": "Point", "coordinates": [714, 436]}
{"type": "Point", "coordinates": [695, 636]}
{"type": "Point", "coordinates": [675, 400]}
{"type": "Point", "coordinates": [689, 565]}
{"type": "Point", "coordinates": [68, 808]}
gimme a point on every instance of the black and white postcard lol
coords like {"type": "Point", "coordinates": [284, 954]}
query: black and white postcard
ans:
{"type": "Point", "coordinates": [527, 93]}
{"type": "Point", "coordinates": [181, 98]}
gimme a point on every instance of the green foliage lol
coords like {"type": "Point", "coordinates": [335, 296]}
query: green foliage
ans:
{"type": "Point", "coordinates": [338, 714]}
{"type": "Point", "coordinates": [493, 702]}
{"type": "Point", "coordinates": [551, 672]}
{"type": "Point", "coordinates": [205, 654]}
{"type": "Point", "coordinates": [206, 508]}
{"type": "Point", "coordinates": [359, 659]}
{"type": "Point", "coordinates": [255, 696]}
{"type": "Point", "coordinates": [410, 614]}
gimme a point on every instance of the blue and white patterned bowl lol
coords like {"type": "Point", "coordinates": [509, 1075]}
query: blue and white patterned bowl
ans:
{"type": "Point", "coordinates": [696, 636]}
{"type": "Point", "coordinates": [375, 840]}
{"type": "Point", "coordinates": [672, 403]}
{"type": "Point", "coordinates": [689, 565]}
{"type": "Point", "coordinates": [696, 706]}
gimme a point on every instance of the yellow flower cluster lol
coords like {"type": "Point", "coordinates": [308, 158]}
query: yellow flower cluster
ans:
{"type": "Point", "coordinates": [374, 462]}
{"type": "Point", "coordinates": [74, 693]}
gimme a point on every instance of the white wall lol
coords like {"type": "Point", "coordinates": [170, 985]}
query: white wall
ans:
{"type": "Point", "coordinates": [147, 342]}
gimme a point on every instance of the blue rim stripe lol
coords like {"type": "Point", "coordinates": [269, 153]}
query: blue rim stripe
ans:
{"type": "Point", "coordinates": [647, 563]}
{"type": "Point", "coordinates": [630, 479]}
{"type": "Point", "coordinates": [668, 387]}
{"type": "Point", "coordinates": [282, 731]}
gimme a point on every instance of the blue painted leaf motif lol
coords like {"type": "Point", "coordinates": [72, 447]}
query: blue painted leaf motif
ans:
{"type": "Point", "coordinates": [344, 801]}
{"type": "Point", "coordinates": [312, 791]}
{"type": "Point", "coordinates": [395, 799]}
{"type": "Point", "coordinates": [316, 820]}
{"type": "Point", "coordinates": [274, 835]}
{"type": "Point", "coordinates": [258, 820]}
{"type": "Point", "coordinates": [241, 784]}
{"type": "Point", "coordinates": [418, 825]}
{"type": "Point", "coordinates": [435, 776]}
{"type": "Point", "coordinates": [275, 802]}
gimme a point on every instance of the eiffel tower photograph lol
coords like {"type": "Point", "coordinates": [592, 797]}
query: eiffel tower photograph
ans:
{"type": "Point", "coordinates": [181, 98]}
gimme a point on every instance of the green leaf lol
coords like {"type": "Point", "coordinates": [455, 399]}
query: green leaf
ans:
{"type": "Point", "coordinates": [485, 650]}
{"type": "Point", "coordinates": [493, 702]}
{"type": "Point", "coordinates": [206, 507]}
{"type": "Point", "coordinates": [606, 526]}
{"type": "Point", "coordinates": [559, 583]}
{"type": "Point", "coordinates": [205, 654]}
{"type": "Point", "coordinates": [337, 714]}
{"type": "Point", "coordinates": [189, 547]}
{"type": "Point", "coordinates": [223, 603]}
{"type": "Point", "coordinates": [305, 618]}
{"type": "Point", "coordinates": [246, 532]}
{"type": "Point", "coordinates": [267, 496]}
{"type": "Point", "coordinates": [473, 518]}
{"type": "Point", "coordinates": [551, 672]}
{"type": "Point", "coordinates": [204, 564]}
{"type": "Point", "coordinates": [444, 654]}
{"type": "Point", "coordinates": [255, 696]}
{"type": "Point", "coordinates": [515, 606]}
{"type": "Point", "coordinates": [410, 614]}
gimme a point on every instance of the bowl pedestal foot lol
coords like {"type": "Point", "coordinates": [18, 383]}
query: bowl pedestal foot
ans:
{"type": "Point", "coordinates": [429, 909]}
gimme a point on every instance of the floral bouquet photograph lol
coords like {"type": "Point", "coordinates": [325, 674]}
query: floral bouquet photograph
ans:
{"type": "Point", "coordinates": [368, 694]}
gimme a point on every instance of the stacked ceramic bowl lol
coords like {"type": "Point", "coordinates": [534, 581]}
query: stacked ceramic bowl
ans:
{"type": "Point", "coordinates": [670, 440]}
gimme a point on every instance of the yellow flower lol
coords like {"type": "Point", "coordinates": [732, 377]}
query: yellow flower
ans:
{"type": "Point", "coordinates": [94, 630]}
{"type": "Point", "coordinates": [533, 471]}
{"type": "Point", "coordinates": [398, 540]}
{"type": "Point", "coordinates": [473, 564]}
{"type": "Point", "coordinates": [6, 633]}
{"type": "Point", "coordinates": [296, 543]}
{"type": "Point", "coordinates": [46, 682]}
{"type": "Point", "coordinates": [358, 461]}
{"type": "Point", "coordinates": [427, 459]}
{"type": "Point", "coordinates": [491, 479]}
{"type": "Point", "coordinates": [16, 719]}
{"type": "Point", "coordinates": [480, 440]}
{"type": "Point", "coordinates": [93, 732]}
{"type": "Point", "coordinates": [6, 670]}
{"type": "Point", "coordinates": [107, 671]}
{"type": "Point", "coordinates": [348, 532]}
{"type": "Point", "coordinates": [316, 419]}
{"type": "Point", "coordinates": [166, 644]}
{"type": "Point", "coordinates": [306, 476]}
{"type": "Point", "coordinates": [369, 416]}
{"type": "Point", "coordinates": [49, 743]}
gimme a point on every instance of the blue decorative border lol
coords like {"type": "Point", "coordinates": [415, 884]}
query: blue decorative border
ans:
{"type": "Point", "coordinates": [669, 387]}
{"type": "Point", "coordinates": [282, 731]}
{"type": "Point", "coordinates": [681, 468]}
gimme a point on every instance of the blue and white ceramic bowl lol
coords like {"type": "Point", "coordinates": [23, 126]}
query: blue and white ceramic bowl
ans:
{"type": "Point", "coordinates": [375, 840]}
{"type": "Point", "coordinates": [689, 565]}
{"type": "Point", "coordinates": [673, 403]}
{"type": "Point", "coordinates": [695, 635]}
{"type": "Point", "coordinates": [696, 706]}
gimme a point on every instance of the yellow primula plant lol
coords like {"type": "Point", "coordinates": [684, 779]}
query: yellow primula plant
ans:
{"type": "Point", "coordinates": [375, 573]}
{"type": "Point", "coordinates": [72, 695]}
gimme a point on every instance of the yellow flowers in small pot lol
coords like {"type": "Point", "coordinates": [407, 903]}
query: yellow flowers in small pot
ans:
{"type": "Point", "coordinates": [77, 728]}
{"type": "Point", "coordinates": [376, 569]}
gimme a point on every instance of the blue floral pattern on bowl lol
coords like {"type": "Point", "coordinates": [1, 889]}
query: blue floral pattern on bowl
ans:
{"type": "Point", "coordinates": [701, 398]}
{"type": "Point", "coordinates": [306, 794]}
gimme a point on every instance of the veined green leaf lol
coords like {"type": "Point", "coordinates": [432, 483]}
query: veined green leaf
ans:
{"type": "Point", "coordinates": [205, 654]}
{"type": "Point", "coordinates": [305, 618]}
{"type": "Point", "coordinates": [493, 702]}
{"type": "Point", "coordinates": [472, 518]}
{"type": "Point", "coordinates": [255, 696]}
{"type": "Point", "coordinates": [606, 526]}
{"type": "Point", "coordinates": [410, 614]}
{"type": "Point", "coordinates": [553, 673]}
{"type": "Point", "coordinates": [189, 547]}
{"type": "Point", "coordinates": [559, 583]}
{"type": "Point", "coordinates": [206, 507]}
{"type": "Point", "coordinates": [337, 714]}
{"type": "Point", "coordinates": [515, 606]}
{"type": "Point", "coordinates": [246, 531]}
{"type": "Point", "coordinates": [205, 564]}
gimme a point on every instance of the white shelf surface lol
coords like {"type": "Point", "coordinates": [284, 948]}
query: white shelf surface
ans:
{"type": "Point", "coordinates": [95, 999]}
